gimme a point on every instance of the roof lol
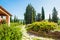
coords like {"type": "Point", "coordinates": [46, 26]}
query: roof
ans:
{"type": "Point", "coordinates": [5, 10]}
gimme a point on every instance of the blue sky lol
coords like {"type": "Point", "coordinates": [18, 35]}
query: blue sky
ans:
{"type": "Point", "coordinates": [18, 7]}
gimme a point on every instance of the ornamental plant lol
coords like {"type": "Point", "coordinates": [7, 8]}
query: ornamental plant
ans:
{"type": "Point", "coordinates": [10, 33]}
{"type": "Point", "coordinates": [43, 26]}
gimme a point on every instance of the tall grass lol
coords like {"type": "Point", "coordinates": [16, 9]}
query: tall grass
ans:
{"type": "Point", "coordinates": [10, 33]}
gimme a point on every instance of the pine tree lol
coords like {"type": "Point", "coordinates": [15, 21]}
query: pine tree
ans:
{"type": "Point", "coordinates": [49, 18]}
{"type": "Point", "coordinates": [11, 20]}
{"type": "Point", "coordinates": [29, 15]}
{"type": "Point", "coordinates": [43, 14]}
{"type": "Point", "coordinates": [38, 17]}
{"type": "Point", "coordinates": [16, 19]}
{"type": "Point", "coordinates": [54, 15]}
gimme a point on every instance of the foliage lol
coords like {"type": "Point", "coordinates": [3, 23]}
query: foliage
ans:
{"type": "Point", "coordinates": [15, 24]}
{"type": "Point", "coordinates": [3, 21]}
{"type": "Point", "coordinates": [49, 18]}
{"type": "Point", "coordinates": [11, 20]}
{"type": "Point", "coordinates": [43, 14]}
{"type": "Point", "coordinates": [59, 22]}
{"type": "Point", "coordinates": [54, 16]}
{"type": "Point", "coordinates": [16, 19]}
{"type": "Point", "coordinates": [42, 26]}
{"type": "Point", "coordinates": [10, 33]}
{"type": "Point", "coordinates": [38, 17]}
{"type": "Point", "coordinates": [29, 15]}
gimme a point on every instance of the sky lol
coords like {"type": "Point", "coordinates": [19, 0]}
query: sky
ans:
{"type": "Point", "coordinates": [18, 7]}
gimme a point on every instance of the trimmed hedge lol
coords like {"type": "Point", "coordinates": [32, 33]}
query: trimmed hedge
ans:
{"type": "Point", "coordinates": [10, 33]}
{"type": "Point", "coordinates": [43, 26]}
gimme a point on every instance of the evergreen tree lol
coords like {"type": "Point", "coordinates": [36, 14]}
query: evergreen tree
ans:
{"type": "Point", "coordinates": [29, 15]}
{"type": "Point", "coordinates": [16, 19]}
{"type": "Point", "coordinates": [54, 15]}
{"type": "Point", "coordinates": [11, 20]}
{"type": "Point", "coordinates": [43, 14]}
{"type": "Point", "coordinates": [49, 18]}
{"type": "Point", "coordinates": [38, 17]}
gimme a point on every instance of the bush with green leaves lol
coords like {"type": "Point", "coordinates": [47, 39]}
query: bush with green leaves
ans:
{"type": "Point", "coordinates": [3, 21]}
{"type": "Point", "coordinates": [10, 33]}
{"type": "Point", "coordinates": [58, 22]}
{"type": "Point", "coordinates": [42, 26]}
{"type": "Point", "coordinates": [15, 24]}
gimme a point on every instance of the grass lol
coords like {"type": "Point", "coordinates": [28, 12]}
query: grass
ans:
{"type": "Point", "coordinates": [15, 24]}
{"type": "Point", "coordinates": [11, 32]}
{"type": "Point", "coordinates": [11, 24]}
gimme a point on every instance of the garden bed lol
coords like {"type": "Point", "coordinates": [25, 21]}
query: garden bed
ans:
{"type": "Point", "coordinates": [54, 35]}
{"type": "Point", "coordinates": [44, 29]}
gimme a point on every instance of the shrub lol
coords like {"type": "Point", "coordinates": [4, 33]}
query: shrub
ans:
{"type": "Point", "coordinates": [15, 24]}
{"type": "Point", "coordinates": [36, 26]}
{"type": "Point", "coordinates": [3, 21]}
{"type": "Point", "coordinates": [58, 22]}
{"type": "Point", "coordinates": [10, 33]}
{"type": "Point", "coordinates": [47, 26]}
{"type": "Point", "coordinates": [43, 26]}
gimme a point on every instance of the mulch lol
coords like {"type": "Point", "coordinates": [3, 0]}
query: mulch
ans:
{"type": "Point", "coordinates": [54, 35]}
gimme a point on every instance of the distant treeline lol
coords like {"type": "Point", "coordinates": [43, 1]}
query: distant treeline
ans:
{"type": "Point", "coordinates": [30, 15]}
